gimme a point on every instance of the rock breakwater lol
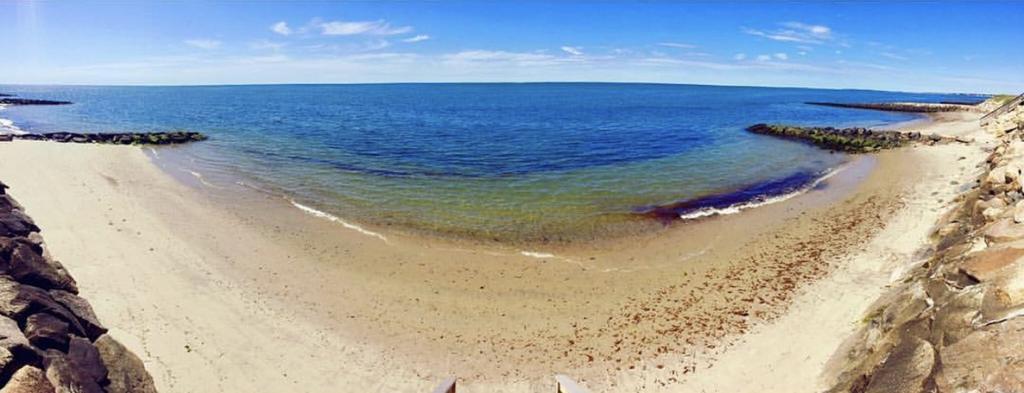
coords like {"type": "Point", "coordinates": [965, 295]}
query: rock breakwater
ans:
{"type": "Point", "coordinates": [916, 107]}
{"type": "Point", "coordinates": [127, 138]}
{"type": "Point", "coordinates": [29, 101]}
{"type": "Point", "coordinates": [50, 339]}
{"type": "Point", "coordinates": [850, 140]}
{"type": "Point", "coordinates": [956, 322]}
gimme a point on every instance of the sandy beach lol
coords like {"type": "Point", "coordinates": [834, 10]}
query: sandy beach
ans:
{"type": "Point", "coordinates": [245, 292]}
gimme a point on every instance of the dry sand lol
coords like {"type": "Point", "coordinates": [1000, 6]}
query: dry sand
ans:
{"type": "Point", "coordinates": [225, 291]}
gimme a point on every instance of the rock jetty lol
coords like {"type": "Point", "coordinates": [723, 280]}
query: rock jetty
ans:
{"type": "Point", "coordinates": [898, 106]}
{"type": "Point", "coordinates": [850, 140]}
{"type": "Point", "coordinates": [956, 322]}
{"type": "Point", "coordinates": [50, 339]}
{"type": "Point", "coordinates": [127, 138]}
{"type": "Point", "coordinates": [28, 101]}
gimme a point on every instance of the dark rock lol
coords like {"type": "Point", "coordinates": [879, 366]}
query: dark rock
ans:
{"type": "Point", "coordinates": [46, 331]}
{"type": "Point", "coordinates": [81, 309]}
{"type": "Point", "coordinates": [851, 140]}
{"type": "Point", "coordinates": [126, 372]}
{"type": "Point", "coordinates": [28, 379]}
{"type": "Point", "coordinates": [6, 137]}
{"type": "Point", "coordinates": [3, 188]}
{"type": "Point", "coordinates": [27, 101]}
{"type": "Point", "coordinates": [146, 138]}
{"type": "Point", "coordinates": [895, 106]}
{"type": "Point", "coordinates": [18, 301]}
{"type": "Point", "coordinates": [14, 341]}
{"type": "Point", "coordinates": [906, 368]}
{"type": "Point", "coordinates": [15, 223]}
{"type": "Point", "coordinates": [23, 261]}
{"type": "Point", "coordinates": [68, 376]}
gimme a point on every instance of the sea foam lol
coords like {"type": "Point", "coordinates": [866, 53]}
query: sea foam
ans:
{"type": "Point", "coordinates": [330, 217]}
{"type": "Point", "coordinates": [758, 202]}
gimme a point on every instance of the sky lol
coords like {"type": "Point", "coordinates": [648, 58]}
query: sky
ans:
{"type": "Point", "coordinates": [972, 47]}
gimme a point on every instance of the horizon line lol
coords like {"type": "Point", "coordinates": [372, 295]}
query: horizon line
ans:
{"type": "Point", "coordinates": [492, 83]}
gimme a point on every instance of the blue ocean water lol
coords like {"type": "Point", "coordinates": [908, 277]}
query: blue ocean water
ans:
{"type": "Point", "coordinates": [537, 161]}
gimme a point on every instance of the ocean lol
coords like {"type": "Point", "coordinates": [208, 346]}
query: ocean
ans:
{"type": "Point", "coordinates": [519, 162]}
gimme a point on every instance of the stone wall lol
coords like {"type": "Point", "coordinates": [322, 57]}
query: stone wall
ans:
{"type": "Point", "coordinates": [50, 339]}
{"type": "Point", "coordinates": [956, 323]}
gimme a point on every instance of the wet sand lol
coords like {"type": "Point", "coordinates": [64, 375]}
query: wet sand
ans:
{"type": "Point", "coordinates": [219, 289]}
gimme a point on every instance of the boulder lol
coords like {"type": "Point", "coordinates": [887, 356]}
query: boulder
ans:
{"type": "Point", "coordinates": [28, 379]}
{"type": "Point", "coordinates": [906, 369]}
{"type": "Point", "coordinates": [67, 376]}
{"type": "Point", "coordinates": [15, 223]}
{"type": "Point", "coordinates": [23, 261]}
{"type": "Point", "coordinates": [14, 341]}
{"type": "Point", "coordinates": [992, 213]}
{"type": "Point", "coordinates": [988, 360]}
{"type": "Point", "coordinates": [1003, 231]}
{"type": "Point", "coordinates": [986, 265]}
{"type": "Point", "coordinates": [46, 331]}
{"type": "Point", "coordinates": [18, 301]}
{"type": "Point", "coordinates": [3, 188]}
{"type": "Point", "coordinates": [126, 372]}
{"type": "Point", "coordinates": [82, 310]}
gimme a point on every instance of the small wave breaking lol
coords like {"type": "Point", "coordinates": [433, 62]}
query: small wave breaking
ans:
{"type": "Point", "coordinates": [746, 198]}
{"type": "Point", "coordinates": [330, 217]}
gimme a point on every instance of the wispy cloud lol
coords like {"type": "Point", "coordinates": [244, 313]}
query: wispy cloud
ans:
{"type": "Point", "coordinates": [203, 43]}
{"type": "Point", "coordinates": [266, 45]}
{"type": "Point", "coordinates": [740, 56]}
{"type": "Point", "coordinates": [797, 32]}
{"type": "Point", "coordinates": [377, 27]}
{"type": "Point", "coordinates": [573, 50]}
{"type": "Point", "coordinates": [418, 38]}
{"type": "Point", "coordinates": [678, 45]}
{"type": "Point", "coordinates": [893, 56]}
{"type": "Point", "coordinates": [781, 56]}
{"type": "Point", "coordinates": [281, 28]}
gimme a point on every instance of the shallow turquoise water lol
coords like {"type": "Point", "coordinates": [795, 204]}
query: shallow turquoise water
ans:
{"type": "Point", "coordinates": [507, 161]}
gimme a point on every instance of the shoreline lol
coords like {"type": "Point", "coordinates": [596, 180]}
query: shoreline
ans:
{"type": "Point", "coordinates": [422, 311]}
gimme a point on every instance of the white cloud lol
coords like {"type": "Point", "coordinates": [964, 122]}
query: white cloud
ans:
{"type": "Point", "coordinates": [377, 27]}
{"type": "Point", "coordinates": [421, 37]}
{"type": "Point", "coordinates": [893, 56]}
{"type": "Point", "coordinates": [740, 56]}
{"type": "Point", "coordinates": [764, 57]}
{"type": "Point", "coordinates": [795, 32]}
{"type": "Point", "coordinates": [677, 45]}
{"type": "Point", "coordinates": [266, 45]}
{"type": "Point", "coordinates": [281, 28]}
{"type": "Point", "coordinates": [820, 31]}
{"type": "Point", "coordinates": [572, 50]}
{"type": "Point", "coordinates": [781, 56]}
{"type": "Point", "coordinates": [203, 43]}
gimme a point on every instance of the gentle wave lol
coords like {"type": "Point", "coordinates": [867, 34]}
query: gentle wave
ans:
{"type": "Point", "coordinates": [330, 217]}
{"type": "Point", "coordinates": [199, 176]}
{"type": "Point", "coordinates": [7, 125]}
{"type": "Point", "coordinates": [758, 202]}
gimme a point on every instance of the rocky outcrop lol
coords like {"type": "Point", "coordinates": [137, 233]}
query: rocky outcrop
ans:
{"type": "Point", "coordinates": [125, 138]}
{"type": "Point", "coordinates": [956, 322]}
{"type": "Point", "coordinates": [50, 338]}
{"type": "Point", "coordinates": [850, 140]}
{"type": "Point", "coordinates": [898, 106]}
{"type": "Point", "coordinates": [28, 101]}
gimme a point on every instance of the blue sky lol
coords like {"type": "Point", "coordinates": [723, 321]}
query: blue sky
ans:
{"type": "Point", "coordinates": [955, 47]}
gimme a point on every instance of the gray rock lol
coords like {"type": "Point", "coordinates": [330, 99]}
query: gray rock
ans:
{"type": "Point", "coordinates": [67, 376]}
{"type": "Point", "coordinates": [126, 372]}
{"type": "Point", "coordinates": [46, 331]}
{"type": "Point", "coordinates": [906, 368]}
{"type": "Point", "coordinates": [23, 261]}
{"type": "Point", "coordinates": [28, 379]}
{"type": "Point", "coordinates": [18, 301]}
{"type": "Point", "coordinates": [82, 310]}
